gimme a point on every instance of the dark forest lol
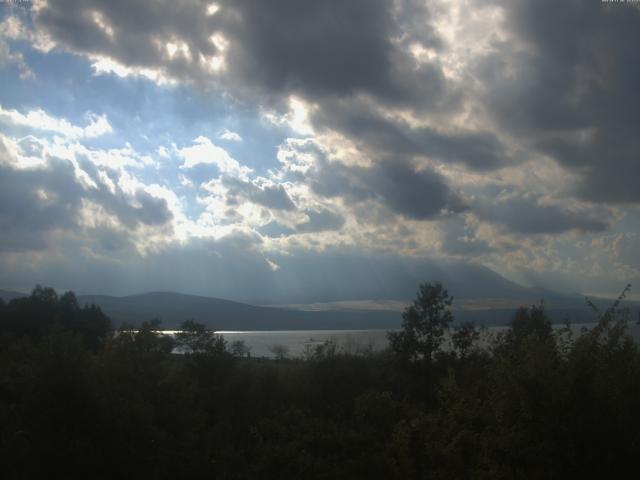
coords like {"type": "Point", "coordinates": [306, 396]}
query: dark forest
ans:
{"type": "Point", "coordinates": [81, 399]}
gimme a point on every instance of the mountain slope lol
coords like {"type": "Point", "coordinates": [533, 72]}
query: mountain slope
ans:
{"type": "Point", "coordinates": [8, 295]}
{"type": "Point", "coordinates": [173, 308]}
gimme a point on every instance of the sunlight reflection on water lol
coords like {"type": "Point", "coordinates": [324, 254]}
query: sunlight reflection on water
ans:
{"type": "Point", "coordinates": [295, 342]}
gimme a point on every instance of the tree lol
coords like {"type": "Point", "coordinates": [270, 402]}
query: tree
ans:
{"type": "Point", "coordinates": [37, 315]}
{"type": "Point", "coordinates": [240, 349]}
{"type": "Point", "coordinates": [531, 322]}
{"type": "Point", "coordinates": [147, 338]}
{"type": "Point", "coordinates": [424, 324]}
{"type": "Point", "coordinates": [195, 337]}
{"type": "Point", "coordinates": [463, 338]}
{"type": "Point", "coordinates": [280, 352]}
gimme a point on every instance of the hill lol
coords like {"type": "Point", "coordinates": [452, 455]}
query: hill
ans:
{"type": "Point", "coordinates": [173, 308]}
{"type": "Point", "coordinates": [480, 295]}
{"type": "Point", "coordinates": [8, 295]}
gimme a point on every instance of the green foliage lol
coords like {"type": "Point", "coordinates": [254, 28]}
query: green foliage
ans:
{"type": "Point", "coordinates": [280, 352]}
{"type": "Point", "coordinates": [196, 338]}
{"type": "Point", "coordinates": [43, 311]}
{"type": "Point", "coordinates": [464, 337]}
{"type": "Point", "coordinates": [240, 349]}
{"type": "Point", "coordinates": [530, 322]}
{"type": "Point", "coordinates": [146, 339]}
{"type": "Point", "coordinates": [424, 324]}
{"type": "Point", "coordinates": [534, 403]}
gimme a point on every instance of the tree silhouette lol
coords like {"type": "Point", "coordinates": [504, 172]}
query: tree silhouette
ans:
{"type": "Point", "coordinates": [280, 352]}
{"type": "Point", "coordinates": [195, 337]}
{"type": "Point", "coordinates": [464, 337]}
{"type": "Point", "coordinates": [424, 324]}
{"type": "Point", "coordinates": [37, 315]}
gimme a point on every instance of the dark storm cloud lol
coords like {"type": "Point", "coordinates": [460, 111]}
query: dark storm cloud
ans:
{"type": "Point", "coordinates": [573, 93]}
{"type": "Point", "coordinates": [329, 48]}
{"type": "Point", "coordinates": [321, 47]}
{"type": "Point", "coordinates": [35, 201]}
{"type": "Point", "coordinates": [319, 221]}
{"type": "Point", "coordinates": [315, 49]}
{"type": "Point", "coordinates": [271, 196]}
{"type": "Point", "coordinates": [419, 194]}
{"type": "Point", "coordinates": [378, 135]}
{"type": "Point", "coordinates": [136, 27]}
{"type": "Point", "coordinates": [528, 215]}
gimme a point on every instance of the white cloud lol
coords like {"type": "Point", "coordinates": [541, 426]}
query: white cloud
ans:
{"type": "Point", "coordinates": [204, 151]}
{"type": "Point", "coordinates": [104, 65]}
{"type": "Point", "coordinates": [230, 136]}
{"type": "Point", "coordinates": [297, 118]}
{"type": "Point", "coordinates": [12, 28]}
{"type": "Point", "coordinates": [40, 120]}
{"type": "Point", "coordinates": [8, 57]}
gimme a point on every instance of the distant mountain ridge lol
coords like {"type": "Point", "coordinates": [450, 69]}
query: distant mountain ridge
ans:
{"type": "Point", "coordinates": [174, 308]}
{"type": "Point", "coordinates": [494, 308]}
{"type": "Point", "coordinates": [8, 295]}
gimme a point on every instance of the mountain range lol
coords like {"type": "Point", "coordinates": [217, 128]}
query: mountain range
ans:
{"type": "Point", "coordinates": [173, 308]}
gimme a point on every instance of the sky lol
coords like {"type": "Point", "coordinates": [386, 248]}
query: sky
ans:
{"type": "Point", "coordinates": [289, 151]}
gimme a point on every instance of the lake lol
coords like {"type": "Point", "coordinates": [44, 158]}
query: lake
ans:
{"type": "Point", "coordinates": [296, 342]}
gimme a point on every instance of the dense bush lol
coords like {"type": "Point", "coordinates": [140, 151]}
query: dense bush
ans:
{"type": "Point", "coordinates": [80, 400]}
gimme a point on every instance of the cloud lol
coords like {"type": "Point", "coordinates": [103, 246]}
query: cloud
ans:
{"type": "Point", "coordinates": [460, 238]}
{"type": "Point", "coordinates": [319, 221]}
{"type": "Point", "coordinates": [34, 202]}
{"type": "Point", "coordinates": [8, 57]}
{"type": "Point", "coordinates": [322, 50]}
{"type": "Point", "coordinates": [251, 48]}
{"type": "Point", "coordinates": [275, 197]}
{"type": "Point", "coordinates": [380, 136]}
{"type": "Point", "coordinates": [417, 193]}
{"type": "Point", "coordinates": [204, 151]}
{"type": "Point", "coordinates": [267, 194]}
{"type": "Point", "coordinates": [570, 93]}
{"type": "Point", "coordinates": [39, 120]}
{"type": "Point", "coordinates": [564, 93]}
{"type": "Point", "coordinates": [230, 136]}
{"type": "Point", "coordinates": [274, 229]}
{"type": "Point", "coordinates": [61, 196]}
{"type": "Point", "coordinates": [503, 132]}
{"type": "Point", "coordinates": [234, 267]}
{"type": "Point", "coordinates": [529, 214]}
{"type": "Point", "coordinates": [165, 41]}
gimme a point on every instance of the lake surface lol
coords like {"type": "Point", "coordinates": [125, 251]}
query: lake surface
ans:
{"type": "Point", "coordinates": [296, 342]}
